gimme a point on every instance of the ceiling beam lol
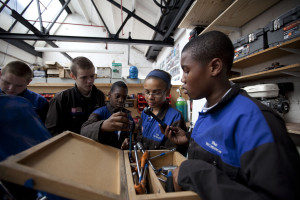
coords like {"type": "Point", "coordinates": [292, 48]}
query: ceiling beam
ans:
{"type": "Point", "coordinates": [136, 17]}
{"type": "Point", "coordinates": [109, 34]}
{"type": "Point", "coordinates": [47, 38]}
{"type": "Point", "coordinates": [22, 45]}
{"type": "Point", "coordinates": [82, 7]}
{"type": "Point", "coordinates": [15, 22]}
{"type": "Point", "coordinates": [3, 5]}
{"type": "Point", "coordinates": [123, 24]}
{"type": "Point", "coordinates": [42, 29]}
{"type": "Point", "coordinates": [66, 8]}
{"type": "Point", "coordinates": [57, 16]}
{"type": "Point", "coordinates": [28, 25]}
{"type": "Point", "coordinates": [182, 10]}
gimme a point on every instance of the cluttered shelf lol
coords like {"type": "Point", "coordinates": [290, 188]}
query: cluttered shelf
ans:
{"type": "Point", "coordinates": [277, 51]}
{"type": "Point", "coordinates": [279, 72]}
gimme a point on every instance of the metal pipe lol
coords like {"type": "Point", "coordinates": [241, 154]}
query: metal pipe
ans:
{"type": "Point", "coordinates": [57, 16]}
{"type": "Point", "coordinates": [40, 16]}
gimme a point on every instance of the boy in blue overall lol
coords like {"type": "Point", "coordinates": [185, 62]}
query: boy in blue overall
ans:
{"type": "Point", "coordinates": [239, 148]}
{"type": "Point", "coordinates": [105, 124]}
{"type": "Point", "coordinates": [14, 78]}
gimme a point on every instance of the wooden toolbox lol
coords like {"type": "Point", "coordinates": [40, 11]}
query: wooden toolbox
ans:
{"type": "Point", "coordinates": [76, 167]}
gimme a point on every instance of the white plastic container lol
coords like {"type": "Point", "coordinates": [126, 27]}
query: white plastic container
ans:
{"type": "Point", "coordinates": [263, 90]}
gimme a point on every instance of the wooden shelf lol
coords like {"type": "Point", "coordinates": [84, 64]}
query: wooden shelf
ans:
{"type": "Point", "coordinates": [203, 12]}
{"type": "Point", "coordinates": [235, 15]}
{"type": "Point", "coordinates": [268, 54]}
{"type": "Point", "coordinates": [283, 71]}
{"type": "Point", "coordinates": [293, 128]}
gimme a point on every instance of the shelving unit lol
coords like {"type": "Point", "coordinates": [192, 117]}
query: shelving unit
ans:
{"type": "Point", "coordinates": [224, 16]}
{"type": "Point", "coordinates": [286, 48]}
{"type": "Point", "coordinates": [279, 72]}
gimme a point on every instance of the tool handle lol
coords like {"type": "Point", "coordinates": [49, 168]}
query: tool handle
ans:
{"type": "Point", "coordinates": [149, 112]}
{"type": "Point", "coordinates": [169, 183]}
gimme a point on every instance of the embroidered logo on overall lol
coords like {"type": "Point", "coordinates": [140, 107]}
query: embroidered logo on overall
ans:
{"type": "Point", "coordinates": [213, 145]}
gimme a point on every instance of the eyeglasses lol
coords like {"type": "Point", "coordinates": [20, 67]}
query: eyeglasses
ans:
{"type": "Point", "coordinates": [154, 94]}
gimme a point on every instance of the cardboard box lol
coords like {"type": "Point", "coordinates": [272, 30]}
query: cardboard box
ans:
{"type": "Point", "coordinates": [103, 72]}
{"type": "Point", "coordinates": [76, 167]}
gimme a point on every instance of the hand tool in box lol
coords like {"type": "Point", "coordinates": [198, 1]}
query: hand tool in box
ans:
{"type": "Point", "coordinates": [169, 182]}
{"type": "Point", "coordinates": [144, 160]}
{"type": "Point", "coordinates": [162, 154]}
{"type": "Point", "coordinates": [137, 161]}
{"type": "Point", "coordinates": [130, 140]}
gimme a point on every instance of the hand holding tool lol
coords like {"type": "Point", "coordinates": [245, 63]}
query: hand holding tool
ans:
{"type": "Point", "coordinates": [148, 112]}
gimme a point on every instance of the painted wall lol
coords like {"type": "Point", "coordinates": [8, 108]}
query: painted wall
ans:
{"type": "Point", "coordinates": [99, 59]}
{"type": "Point", "coordinates": [10, 53]}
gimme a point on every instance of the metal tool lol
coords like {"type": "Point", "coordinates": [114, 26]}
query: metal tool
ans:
{"type": "Point", "coordinates": [137, 160]}
{"type": "Point", "coordinates": [169, 182]}
{"type": "Point", "coordinates": [150, 113]}
{"type": "Point", "coordinates": [135, 178]}
{"type": "Point", "coordinates": [140, 147]}
{"type": "Point", "coordinates": [130, 140]}
{"type": "Point", "coordinates": [162, 154]}
{"type": "Point", "coordinates": [144, 160]}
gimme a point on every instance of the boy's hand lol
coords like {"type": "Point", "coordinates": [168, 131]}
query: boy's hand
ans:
{"type": "Point", "coordinates": [175, 134]}
{"type": "Point", "coordinates": [117, 121]}
{"type": "Point", "coordinates": [125, 144]}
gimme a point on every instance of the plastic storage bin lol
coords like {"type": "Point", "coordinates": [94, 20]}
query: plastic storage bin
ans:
{"type": "Point", "coordinates": [249, 44]}
{"type": "Point", "coordinates": [283, 28]}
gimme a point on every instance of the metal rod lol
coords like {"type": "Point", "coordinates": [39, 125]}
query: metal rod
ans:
{"type": "Point", "coordinates": [137, 17]}
{"type": "Point", "coordinates": [123, 24]}
{"type": "Point", "coordinates": [57, 16]}
{"type": "Point", "coordinates": [40, 16]}
{"type": "Point", "coordinates": [101, 18]}
{"type": "Point", "coordinates": [137, 160]}
{"type": "Point", "coordinates": [66, 8]}
{"type": "Point", "coordinates": [3, 5]}
{"type": "Point", "coordinates": [15, 22]}
{"type": "Point", "coordinates": [17, 36]}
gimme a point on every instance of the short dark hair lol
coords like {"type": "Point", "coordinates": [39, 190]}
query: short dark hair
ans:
{"type": "Point", "coordinates": [82, 63]}
{"type": "Point", "coordinates": [213, 44]}
{"type": "Point", "coordinates": [18, 68]}
{"type": "Point", "coordinates": [118, 84]}
{"type": "Point", "coordinates": [162, 75]}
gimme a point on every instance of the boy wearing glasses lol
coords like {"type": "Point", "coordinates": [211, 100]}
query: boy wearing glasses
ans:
{"type": "Point", "coordinates": [157, 86]}
{"type": "Point", "coordinates": [70, 108]}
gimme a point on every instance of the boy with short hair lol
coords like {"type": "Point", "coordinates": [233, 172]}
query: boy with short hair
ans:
{"type": "Point", "coordinates": [239, 148]}
{"type": "Point", "coordinates": [70, 108]}
{"type": "Point", "coordinates": [14, 78]}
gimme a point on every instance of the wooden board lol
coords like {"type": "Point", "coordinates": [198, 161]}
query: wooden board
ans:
{"type": "Point", "coordinates": [238, 14]}
{"type": "Point", "coordinates": [157, 188]}
{"type": "Point", "coordinates": [203, 12]}
{"type": "Point", "coordinates": [279, 72]}
{"type": "Point", "coordinates": [293, 128]}
{"type": "Point", "coordinates": [71, 166]}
